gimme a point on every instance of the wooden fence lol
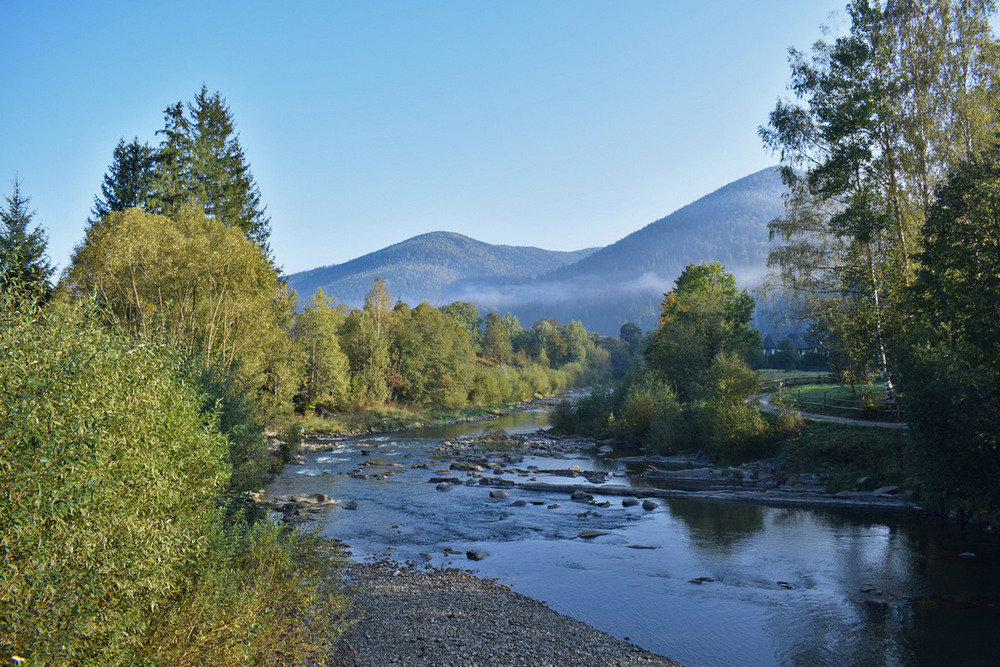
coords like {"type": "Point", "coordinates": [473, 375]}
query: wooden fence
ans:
{"type": "Point", "coordinates": [856, 408]}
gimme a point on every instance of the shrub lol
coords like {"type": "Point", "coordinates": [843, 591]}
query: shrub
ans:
{"type": "Point", "coordinates": [117, 544]}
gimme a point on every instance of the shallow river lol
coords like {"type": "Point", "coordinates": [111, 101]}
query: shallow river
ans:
{"type": "Point", "coordinates": [784, 586]}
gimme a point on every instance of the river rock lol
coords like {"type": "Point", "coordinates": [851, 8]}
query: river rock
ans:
{"type": "Point", "coordinates": [444, 486]}
{"type": "Point", "coordinates": [465, 465]}
{"type": "Point", "coordinates": [498, 493]}
{"type": "Point", "coordinates": [886, 490]}
{"type": "Point", "coordinates": [590, 534]}
{"type": "Point", "coordinates": [630, 502]}
{"type": "Point", "coordinates": [444, 480]}
{"type": "Point", "coordinates": [350, 505]}
{"type": "Point", "coordinates": [649, 505]}
{"type": "Point", "coordinates": [581, 496]}
{"type": "Point", "coordinates": [519, 503]}
{"type": "Point", "coordinates": [474, 555]}
{"type": "Point", "coordinates": [309, 498]}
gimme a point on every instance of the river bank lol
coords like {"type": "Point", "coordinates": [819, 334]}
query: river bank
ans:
{"type": "Point", "coordinates": [444, 616]}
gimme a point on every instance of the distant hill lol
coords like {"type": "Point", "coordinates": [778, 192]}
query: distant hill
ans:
{"type": "Point", "coordinates": [626, 280]}
{"type": "Point", "coordinates": [426, 267]}
{"type": "Point", "coordinates": [603, 288]}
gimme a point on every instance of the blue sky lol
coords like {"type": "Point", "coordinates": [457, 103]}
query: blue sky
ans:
{"type": "Point", "coordinates": [560, 124]}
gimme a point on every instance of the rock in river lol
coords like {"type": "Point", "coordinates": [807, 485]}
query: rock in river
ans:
{"type": "Point", "coordinates": [498, 493]}
{"type": "Point", "coordinates": [590, 533]}
{"type": "Point", "coordinates": [444, 486]}
{"type": "Point", "coordinates": [474, 555]}
{"type": "Point", "coordinates": [630, 502]}
{"type": "Point", "coordinates": [649, 505]}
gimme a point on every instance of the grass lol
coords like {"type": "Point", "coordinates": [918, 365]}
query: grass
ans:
{"type": "Point", "coordinates": [850, 457]}
{"type": "Point", "coordinates": [838, 400]}
{"type": "Point", "coordinates": [389, 418]}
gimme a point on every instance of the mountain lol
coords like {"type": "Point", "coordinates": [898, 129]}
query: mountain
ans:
{"type": "Point", "coordinates": [625, 281]}
{"type": "Point", "coordinates": [603, 288]}
{"type": "Point", "coordinates": [425, 268]}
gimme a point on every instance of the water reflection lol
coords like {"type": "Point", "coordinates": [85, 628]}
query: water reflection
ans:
{"type": "Point", "coordinates": [778, 585]}
{"type": "Point", "coordinates": [718, 527]}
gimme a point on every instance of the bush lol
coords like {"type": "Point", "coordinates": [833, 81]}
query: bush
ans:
{"type": "Point", "coordinates": [117, 544]}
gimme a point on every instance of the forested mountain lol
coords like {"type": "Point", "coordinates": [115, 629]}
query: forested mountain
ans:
{"type": "Point", "coordinates": [427, 267]}
{"type": "Point", "coordinates": [603, 288]}
{"type": "Point", "coordinates": [626, 280]}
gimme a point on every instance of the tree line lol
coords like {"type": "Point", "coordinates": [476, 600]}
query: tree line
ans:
{"type": "Point", "coordinates": [136, 390]}
{"type": "Point", "coordinates": [888, 241]}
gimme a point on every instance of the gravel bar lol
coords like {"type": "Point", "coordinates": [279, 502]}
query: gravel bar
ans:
{"type": "Point", "coordinates": [445, 616]}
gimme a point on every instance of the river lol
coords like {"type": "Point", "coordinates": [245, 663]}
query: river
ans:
{"type": "Point", "coordinates": [778, 586]}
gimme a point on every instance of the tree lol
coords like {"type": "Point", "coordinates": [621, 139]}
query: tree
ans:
{"type": "Point", "coordinates": [497, 346]}
{"type": "Point", "coordinates": [218, 173]}
{"type": "Point", "coordinates": [787, 357]}
{"type": "Point", "coordinates": [326, 376]}
{"type": "Point", "coordinates": [200, 160]}
{"type": "Point", "coordinates": [467, 315]}
{"type": "Point", "coordinates": [434, 358]}
{"type": "Point", "coordinates": [129, 181]}
{"type": "Point", "coordinates": [703, 316]}
{"type": "Point", "coordinates": [881, 115]}
{"type": "Point", "coordinates": [24, 268]}
{"type": "Point", "coordinates": [201, 284]}
{"type": "Point", "coordinates": [949, 356]}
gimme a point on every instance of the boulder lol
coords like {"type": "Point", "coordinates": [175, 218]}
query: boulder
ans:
{"type": "Point", "coordinates": [350, 505]}
{"type": "Point", "coordinates": [444, 486]}
{"type": "Point", "coordinates": [440, 480]}
{"type": "Point", "coordinates": [886, 490]}
{"type": "Point", "coordinates": [630, 502]}
{"type": "Point", "coordinates": [649, 505]}
{"type": "Point", "coordinates": [581, 496]}
{"type": "Point", "coordinates": [519, 503]}
{"type": "Point", "coordinates": [590, 534]}
{"type": "Point", "coordinates": [474, 555]}
{"type": "Point", "coordinates": [498, 493]}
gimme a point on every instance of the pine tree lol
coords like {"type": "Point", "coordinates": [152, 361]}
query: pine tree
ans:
{"type": "Point", "coordinates": [129, 181]}
{"type": "Point", "coordinates": [219, 175]}
{"type": "Point", "coordinates": [24, 267]}
{"type": "Point", "coordinates": [170, 179]}
{"type": "Point", "coordinates": [200, 159]}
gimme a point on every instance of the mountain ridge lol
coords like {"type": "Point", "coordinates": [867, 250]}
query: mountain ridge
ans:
{"type": "Point", "coordinates": [601, 287]}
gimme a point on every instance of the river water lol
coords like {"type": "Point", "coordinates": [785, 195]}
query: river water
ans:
{"type": "Point", "coordinates": [778, 586]}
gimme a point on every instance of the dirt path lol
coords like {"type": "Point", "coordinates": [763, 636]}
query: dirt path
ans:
{"type": "Point", "coordinates": [766, 405]}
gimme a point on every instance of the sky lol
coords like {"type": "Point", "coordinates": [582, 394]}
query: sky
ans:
{"type": "Point", "coordinates": [561, 124]}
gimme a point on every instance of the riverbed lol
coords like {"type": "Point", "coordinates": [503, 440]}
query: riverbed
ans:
{"type": "Point", "coordinates": [700, 582]}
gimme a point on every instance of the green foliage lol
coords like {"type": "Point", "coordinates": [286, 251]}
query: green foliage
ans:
{"type": "Point", "coordinates": [110, 478]}
{"type": "Point", "coordinates": [433, 358]}
{"type": "Point", "coordinates": [114, 458]}
{"type": "Point", "coordinates": [949, 359]}
{"type": "Point", "coordinates": [703, 316]}
{"type": "Point", "coordinates": [24, 269]}
{"type": "Point", "coordinates": [787, 357]}
{"type": "Point", "coordinates": [731, 428]}
{"type": "Point", "coordinates": [496, 343]}
{"type": "Point", "coordinates": [326, 373]}
{"type": "Point", "coordinates": [129, 181]}
{"type": "Point", "coordinates": [191, 279]}
{"type": "Point", "coordinates": [881, 115]}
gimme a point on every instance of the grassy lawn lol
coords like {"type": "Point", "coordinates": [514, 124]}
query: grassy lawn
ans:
{"type": "Point", "coordinates": [839, 400]}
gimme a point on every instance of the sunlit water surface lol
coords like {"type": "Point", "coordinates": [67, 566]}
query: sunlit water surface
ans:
{"type": "Point", "coordinates": [787, 586]}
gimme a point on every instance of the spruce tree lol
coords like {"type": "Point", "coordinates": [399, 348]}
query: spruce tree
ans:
{"type": "Point", "coordinates": [24, 268]}
{"type": "Point", "coordinates": [219, 174]}
{"type": "Point", "coordinates": [129, 181]}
